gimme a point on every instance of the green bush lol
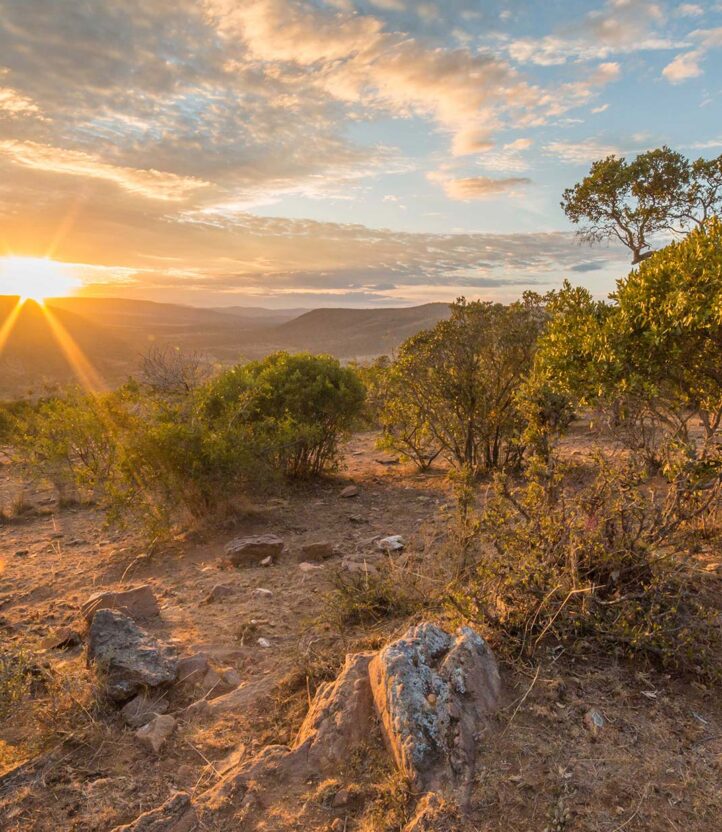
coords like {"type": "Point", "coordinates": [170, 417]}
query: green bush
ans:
{"type": "Point", "coordinates": [452, 389]}
{"type": "Point", "coordinates": [298, 408]}
{"type": "Point", "coordinates": [650, 359]}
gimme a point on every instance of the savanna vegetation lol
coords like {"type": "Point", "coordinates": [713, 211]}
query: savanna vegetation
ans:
{"type": "Point", "coordinates": [544, 553]}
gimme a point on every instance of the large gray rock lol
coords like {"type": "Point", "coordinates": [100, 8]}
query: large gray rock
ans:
{"type": "Point", "coordinates": [250, 551]}
{"type": "Point", "coordinates": [138, 603]}
{"type": "Point", "coordinates": [434, 693]}
{"type": "Point", "coordinates": [128, 656]}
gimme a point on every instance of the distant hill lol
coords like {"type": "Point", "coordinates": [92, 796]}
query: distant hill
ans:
{"type": "Point", "coordinates": [114, 333]}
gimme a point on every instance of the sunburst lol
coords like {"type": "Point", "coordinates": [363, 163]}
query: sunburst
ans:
{"type": "Point", "coordinates": [35, 278]}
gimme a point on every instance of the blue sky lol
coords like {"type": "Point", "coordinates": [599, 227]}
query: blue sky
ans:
{"type": "Point", "coordinates": [335, 152]}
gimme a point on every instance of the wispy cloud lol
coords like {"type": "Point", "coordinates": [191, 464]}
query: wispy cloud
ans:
{"type": "Point", "coordinates": [152, 184]}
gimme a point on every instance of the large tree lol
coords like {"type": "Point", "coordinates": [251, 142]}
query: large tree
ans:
{"type": "Point", "coordinates": [658, 191]}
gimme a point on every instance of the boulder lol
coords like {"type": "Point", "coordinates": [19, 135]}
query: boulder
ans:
{"type": "Point", "coordinates": [434, 693]}
{"type": "Point", "coordinates": [155, 733]}
{"type": "Point", "coordinates": [129, 657]}
{"type": "Point", "coordinates": [142, 709]}
{"type": "Point", "coordinates": [251, 551]}
{"type": "Point", "coordinates": [314, 552]}
{"type": "Point", "coordinates": [139, 603]}
{"type": "Point", "coordinates": [175, 815]}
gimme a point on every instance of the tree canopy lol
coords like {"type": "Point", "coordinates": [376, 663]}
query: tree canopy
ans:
{"type": "Point", "coordinates": [660, 190]}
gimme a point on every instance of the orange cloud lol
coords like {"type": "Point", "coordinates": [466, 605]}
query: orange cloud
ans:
{"type": "Point", "coordinates": [152, 184]}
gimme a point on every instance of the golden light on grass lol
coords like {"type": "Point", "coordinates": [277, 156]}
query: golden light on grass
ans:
{"type": "Point", "coordinates": [35, 278]}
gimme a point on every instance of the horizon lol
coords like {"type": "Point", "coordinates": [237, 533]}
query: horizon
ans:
{"type": "Point", "coordinates": [330, 153]}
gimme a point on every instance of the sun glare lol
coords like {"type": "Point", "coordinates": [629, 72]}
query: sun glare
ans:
{"type": "Point", "coordinates": [35, 278]}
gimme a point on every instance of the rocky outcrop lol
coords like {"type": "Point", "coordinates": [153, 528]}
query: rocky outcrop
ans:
{"type": "Point", "coordinates": [431, 693]}
{"type": "Point", "coordinates": [339, 719]}
{"type": "Point", "coordinates": [434, 693]}
{"type": "Point", "coordinates": [128, 657]}
{"type": "Point", "coordinates": [251, 551]}
{"type": "Point", "coordinates": [138, 603]}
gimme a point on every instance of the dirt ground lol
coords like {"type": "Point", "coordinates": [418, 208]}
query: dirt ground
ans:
{"type": "Point", "coordinates": [655, 764]}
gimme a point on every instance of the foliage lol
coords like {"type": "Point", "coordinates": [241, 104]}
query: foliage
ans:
{"type": "Point", "coordinates": [659, 190]}
{"type": "Point", "coordinates": [452, 388]}
{"type": "Point", "coordinates": [298, 407]}
{"type": "Point", "coordinates": [172, 371]}
{"type": "Point", "coordinates": [157, 456]}
{"type": "Point", "coordinates": [651, 359]}
{"type": "Point", "coordinates": [604, 564]}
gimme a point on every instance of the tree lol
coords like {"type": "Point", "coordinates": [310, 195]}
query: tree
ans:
{"type": "Point", "coordinates": [659, 190]}
{"type": "Point", "coordinates": [452, 388]}
{"type": "Point", "coordinates": [652, 357]}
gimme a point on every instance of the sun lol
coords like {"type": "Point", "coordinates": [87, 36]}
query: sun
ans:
{"type": "Point", "coordinates": [35, 278]}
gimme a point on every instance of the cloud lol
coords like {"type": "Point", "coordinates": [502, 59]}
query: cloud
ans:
{"type": "Point", "coordinates": [581, 152]}
{"type": "Point", "coordinates": [151, 184]}
{"type": "Point", "coordinates": [15, 105]}
{"type": "Point", "coordinates": [618, 27]}
{"type": "Point", "coordinates": [477, 187]}
{"type": "Point", "coordinates": [687, 64]}
{"type": "Point", "coordinates": [689, 10]}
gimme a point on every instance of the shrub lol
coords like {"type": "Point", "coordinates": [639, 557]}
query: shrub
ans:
{"type": "Point", "coordinates": [297, 406]}
{"type": "Point", "coordinates": [650, 360]}
{"type": "Point", "coordinates": [605, 564]}
{"type": "Point", "coordinates": [452, 388]}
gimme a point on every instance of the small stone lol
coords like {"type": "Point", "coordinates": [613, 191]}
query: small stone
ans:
{"type": "Point", "coordinates": [349, 491]}
{"type": "Point", "coordinates": [192, 669]}
{"type": "Point", "coordinates": [155, 733]}
{"type": "Point", "coordinates": [594, 721]}
{"type": "Point", "coordinates": [358, 567]}
{"type": "Point", "coordinates": [393, 543]}
{"type": "Point", "coordinates": [314, 552]}
{"type": "Point", "coordinates": [62, 639]}
{"type": "Point", "coordinates": [137, 603]}
{"type": "Point", "coordinates": [231, 678]}
{"type": "Point", "coordinates": [309, 567]}
{"type": "Point", "coordinates": [260, 592]}
{"type": "Point", "coordinates": [264, 642]}
{"type": "Point", "coordinates": [22, 553]}
{"type": "Point", "coordinates": [141, 710]}
{"type": "Point", "coordinates": [341, 799]}
{"type": "Point", "coordinates": [251, 551]}
{"type": "Point", "coordinates": [267, 561]}
{"type": "Point", "coordinates": [219, 592]}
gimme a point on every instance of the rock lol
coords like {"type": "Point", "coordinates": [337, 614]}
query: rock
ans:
{"type": "Point", "coordinates": [309, 567]}
{"type": "Point", "coordinates": [192, 669]}
{"type": "Point", "coordinates": [314, 552]}
{"type": "Point", "coordinates": [267, 561]}
{"type": "Point", "coordinates": [260, 592]}
{"type": "Point", "coordinates": [175, 815]}
{"type": "Point", "coordinates": [129, 657]}
{"type": "Point", "coordinates": [594, 722]}
{"type": "Point", "coordinates": [142, 709]}
{"type": "Point", "coordinates": [251, 551]}
{"type": "Point", "coordinates": [62, 639]}
{"type": "Point", "coordinates": [156, 732]}
{"type": "Point", "coordinates": [339, 719]}
{"type": "Point", "coordinates": [218, 593]}
{"type": "Point", "coordinates": [230, 678]}
{"type": "Point", "coordinates": [349, 491]}
{"type": "Point", "coordinates": [394, 543]}
{"type": "Point", "coordinates": [358, 567]}
{"type": "Point", "coordinates": [434, 694]}
{"type": "Point", "coordinates": [264, 642]}
{"type": "Point", "coordinates": [138, 603]}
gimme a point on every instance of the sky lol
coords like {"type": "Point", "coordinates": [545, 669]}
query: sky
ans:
{"type": "Point", "coordinates": [302, 153]}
